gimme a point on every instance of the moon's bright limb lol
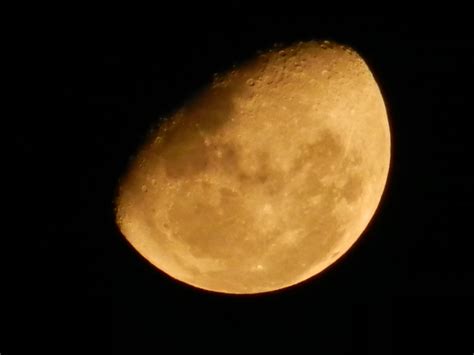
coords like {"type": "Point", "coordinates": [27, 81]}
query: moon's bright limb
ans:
{"type": "Point", "coordinates": [266, 177]}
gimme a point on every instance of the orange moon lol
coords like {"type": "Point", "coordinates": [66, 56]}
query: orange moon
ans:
{"type": "Point", "coordinates": [264, 178]}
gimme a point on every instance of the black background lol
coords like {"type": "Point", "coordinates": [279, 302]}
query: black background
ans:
{"type": "Point", "coordinates": [405, 285]}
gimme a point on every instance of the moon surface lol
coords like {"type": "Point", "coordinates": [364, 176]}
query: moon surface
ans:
{"type": "Point", "coordinates": [266, 177]}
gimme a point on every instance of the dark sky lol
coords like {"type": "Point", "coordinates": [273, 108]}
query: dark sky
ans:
{"type": "Point", "coordinates": [407, 284]}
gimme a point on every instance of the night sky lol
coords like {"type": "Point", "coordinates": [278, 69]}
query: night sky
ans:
{"type": "Point", "coordinates": [405, 285]}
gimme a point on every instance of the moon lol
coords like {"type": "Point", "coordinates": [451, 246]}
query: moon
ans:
{"type": "Point", "coordinates": [265, 177]}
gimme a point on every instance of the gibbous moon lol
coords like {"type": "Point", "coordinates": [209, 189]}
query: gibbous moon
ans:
{"type": "Point", "coordinates": [266, 177]}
